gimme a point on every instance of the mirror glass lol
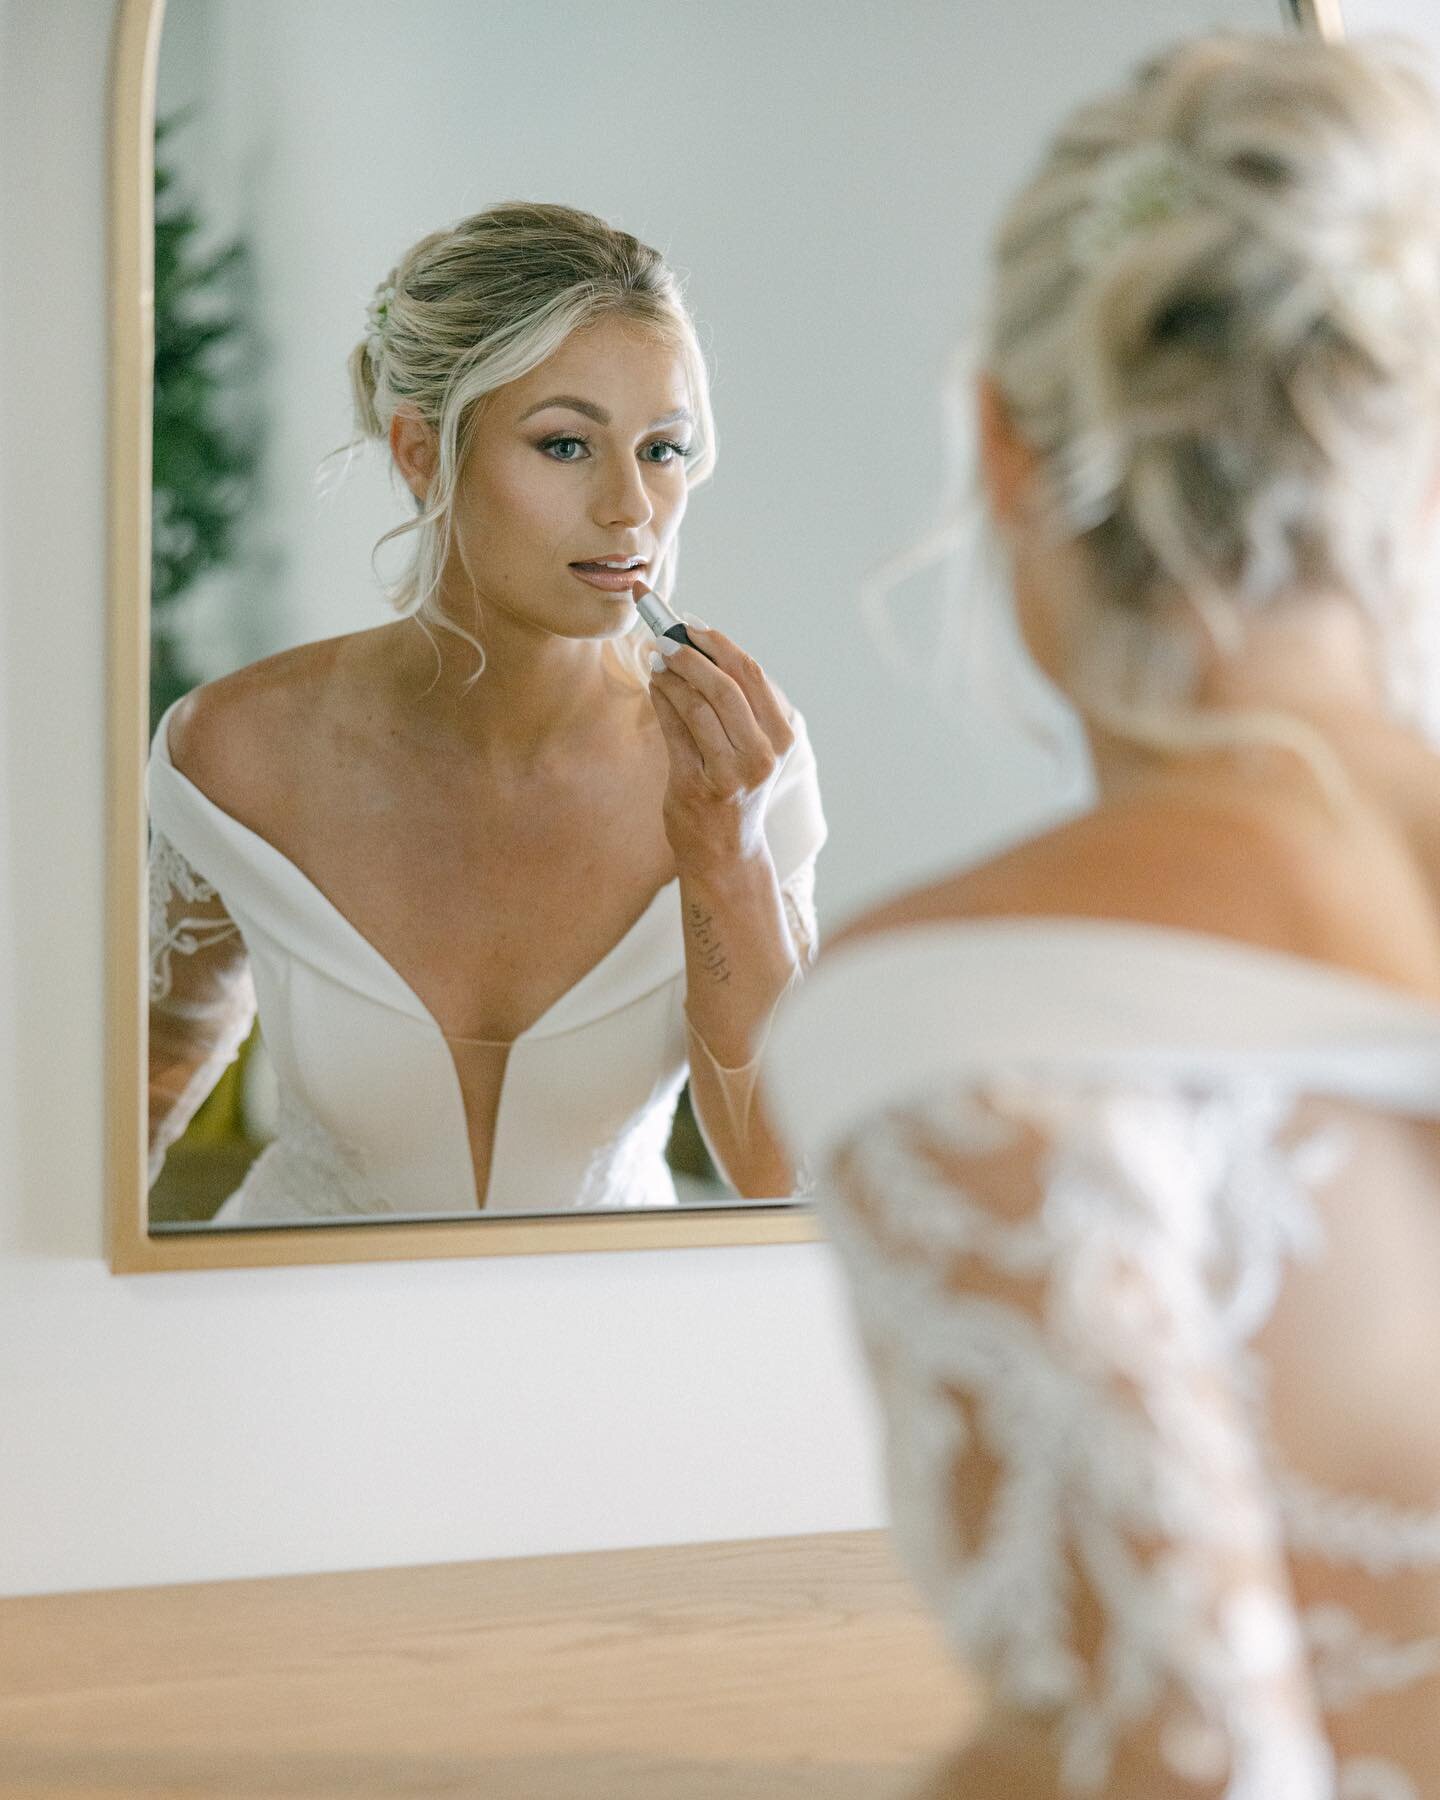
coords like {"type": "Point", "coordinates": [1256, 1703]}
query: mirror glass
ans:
{"type": "Point", "coordinates": [383, 984]}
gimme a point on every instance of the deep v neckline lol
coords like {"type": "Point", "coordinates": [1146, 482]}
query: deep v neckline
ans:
{"type": "Point", "coordinates": [377, 958]}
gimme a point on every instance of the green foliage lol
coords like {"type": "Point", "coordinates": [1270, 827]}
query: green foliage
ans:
{"type": "Point", "coordinates": [203, 466]}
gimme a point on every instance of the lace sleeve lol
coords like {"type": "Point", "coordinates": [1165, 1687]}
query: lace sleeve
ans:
{"type": "Point", "coordinates": [202, 997]}
{"type": "Point", "coordinates": [1073, 1452]}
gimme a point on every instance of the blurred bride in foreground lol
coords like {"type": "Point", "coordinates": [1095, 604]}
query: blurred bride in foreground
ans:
{"type": "Point", "coordinates": [1130, 1138]}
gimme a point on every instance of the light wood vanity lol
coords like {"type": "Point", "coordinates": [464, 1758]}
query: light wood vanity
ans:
{"type": "Point", "coordinates": [787, 1669]}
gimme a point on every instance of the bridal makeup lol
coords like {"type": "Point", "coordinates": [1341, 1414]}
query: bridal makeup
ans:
{"type": "Point", "coordinates": [658, 616]}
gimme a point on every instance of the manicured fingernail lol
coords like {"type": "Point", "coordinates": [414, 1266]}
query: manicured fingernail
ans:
{"type": "Point", "coordinates": [656, 663]}
{"type": "Point", "coordinates": [698, 623]}
{"type": "Point", "coordinates": [668, 647]}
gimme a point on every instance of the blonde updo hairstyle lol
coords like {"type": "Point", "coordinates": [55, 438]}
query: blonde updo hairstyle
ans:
{"type": "Point", "coordinates": [480, 304]}
{"type": "Point", "coordinates": [1234, 398]}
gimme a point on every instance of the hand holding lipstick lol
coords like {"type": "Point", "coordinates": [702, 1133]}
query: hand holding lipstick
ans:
{"type": "Point", "coordinates": [658, 616]}
{"type": "Point", "coordinates": [727, 730]}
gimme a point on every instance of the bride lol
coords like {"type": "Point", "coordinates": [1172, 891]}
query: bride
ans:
{"type": "Point", "coordinates": [1130, 1138]}
{"type": "Point", "coordinates": [496, 875]}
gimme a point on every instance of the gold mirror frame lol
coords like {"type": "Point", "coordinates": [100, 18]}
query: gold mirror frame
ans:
{"type": "Point", "coordinates": [1323, 17]}
{"type": "Point", "coordinates": [131, 1248]}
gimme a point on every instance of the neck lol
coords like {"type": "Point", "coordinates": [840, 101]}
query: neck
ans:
{"type": "Point", "coordinates": [538, 702]}
{"type": "Point", "coordinates": [1314, 661]}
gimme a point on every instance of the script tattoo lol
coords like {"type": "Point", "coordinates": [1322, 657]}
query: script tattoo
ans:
{"type": "Point", "coordinates": [712, 951]}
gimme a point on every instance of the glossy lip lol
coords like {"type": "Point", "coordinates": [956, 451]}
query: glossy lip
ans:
{"type": "Point", "coordinates": [610, 581]}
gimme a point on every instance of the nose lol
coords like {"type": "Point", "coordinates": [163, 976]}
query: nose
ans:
{"type": "Point", "coordinates": [622, 498]}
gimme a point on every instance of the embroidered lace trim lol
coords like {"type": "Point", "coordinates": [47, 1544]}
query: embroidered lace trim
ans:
{"type": "Point", "coordinates": [306, 1173]}
{"type": "Point", "coordinates": [1347, 1528]}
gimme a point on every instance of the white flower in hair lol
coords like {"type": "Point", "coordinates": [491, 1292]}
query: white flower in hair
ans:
{"type": "Point", "coordinates": [1134, 190]}
{"type": "Point", "coordinates": [378, 312]}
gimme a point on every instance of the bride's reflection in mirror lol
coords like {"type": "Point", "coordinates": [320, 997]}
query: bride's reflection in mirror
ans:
{"type": "Point", "coordinates": [496, 877]}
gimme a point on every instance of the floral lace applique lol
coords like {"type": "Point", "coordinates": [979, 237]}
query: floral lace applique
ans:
{"type": "Point", "coordinates": [1055, 1287]}
{"type": "Point", "coordinates": [202, 1007]}
{"type": "Point", "coordinates": [306, 1173]}
{"type": "Point", "coordinates": [172, 880]}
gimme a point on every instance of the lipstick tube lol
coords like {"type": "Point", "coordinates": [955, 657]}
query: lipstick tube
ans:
{"type": "Point", "coordinates": [658, 616]}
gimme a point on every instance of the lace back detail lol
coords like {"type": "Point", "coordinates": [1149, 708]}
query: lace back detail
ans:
{"type": "Point", "coordinates": [1058, 1285]}
{"type": "Point", "coordinates": [1351, 1529]}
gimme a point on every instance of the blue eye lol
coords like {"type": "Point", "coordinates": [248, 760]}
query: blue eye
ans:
{"type": "Point", "coordinates": [571, 448]}
{"type": "Point", "coordinates": [552, 447]}
{"type": "Point", "coordinates": [678, 452]}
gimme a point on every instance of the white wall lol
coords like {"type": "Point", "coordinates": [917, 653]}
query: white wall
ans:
{"type": "Point", "coordinates": [184, 1427]}
{"type": "Point", "coordinates": [1418, 19]}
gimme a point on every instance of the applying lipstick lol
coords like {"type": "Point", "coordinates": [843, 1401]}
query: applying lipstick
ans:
{"type": "Point", "coordinates": [658, 616]}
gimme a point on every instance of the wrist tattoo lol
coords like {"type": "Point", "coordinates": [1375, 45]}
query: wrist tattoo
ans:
{"type": "Point", "coordinates": [712, 952]}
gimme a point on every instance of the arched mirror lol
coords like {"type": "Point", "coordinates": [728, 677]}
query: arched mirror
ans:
{"type": "Point", "coordinates": [404, 958]}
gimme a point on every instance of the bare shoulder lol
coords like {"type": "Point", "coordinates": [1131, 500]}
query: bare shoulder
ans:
{"type": "Point", "coordinates": [1231, 866]}
{"type": "Point", "coordinates": [232, 736]}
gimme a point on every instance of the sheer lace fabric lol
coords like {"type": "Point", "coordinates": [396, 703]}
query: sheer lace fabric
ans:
{"type": "Point", "coordinates": [1035, 1306]}
{"type": "Point", "coordinates": [202, 1005]}
{"type": "Point", "coordinates": [1080, 1292]}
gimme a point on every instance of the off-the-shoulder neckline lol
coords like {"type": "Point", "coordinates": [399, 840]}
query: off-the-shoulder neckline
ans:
{"type": "Point", "coordinates": [303, 883]}
{"type": "Point", "coordinates": [1115, 935]}
{"type": "Point", "coordinates": [893, 1013]}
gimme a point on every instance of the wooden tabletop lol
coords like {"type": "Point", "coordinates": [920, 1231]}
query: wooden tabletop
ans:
{"type": "Point", "coordinates": [789, 1668]}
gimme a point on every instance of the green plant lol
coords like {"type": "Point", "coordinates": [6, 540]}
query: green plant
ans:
{"type": "Point", "coordinates": [203, 464]}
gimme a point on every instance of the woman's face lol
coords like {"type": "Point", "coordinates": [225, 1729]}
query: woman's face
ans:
{"type": "Point", "coordinates": [580, 462]}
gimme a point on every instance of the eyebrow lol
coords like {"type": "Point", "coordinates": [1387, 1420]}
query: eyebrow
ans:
{"type": "Point", "coordinates": [598, 413]}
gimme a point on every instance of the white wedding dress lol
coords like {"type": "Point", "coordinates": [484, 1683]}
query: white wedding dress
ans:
{"type": "Point", "coordinates": [1142, 1231]}
{"type": "Point", "coordinates": [372, 1095]}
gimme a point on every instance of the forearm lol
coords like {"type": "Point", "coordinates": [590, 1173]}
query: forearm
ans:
{"type": "Point", "coordinates": [186, 1060]}
{"type": "Point", "coordinates": [739, 960]}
